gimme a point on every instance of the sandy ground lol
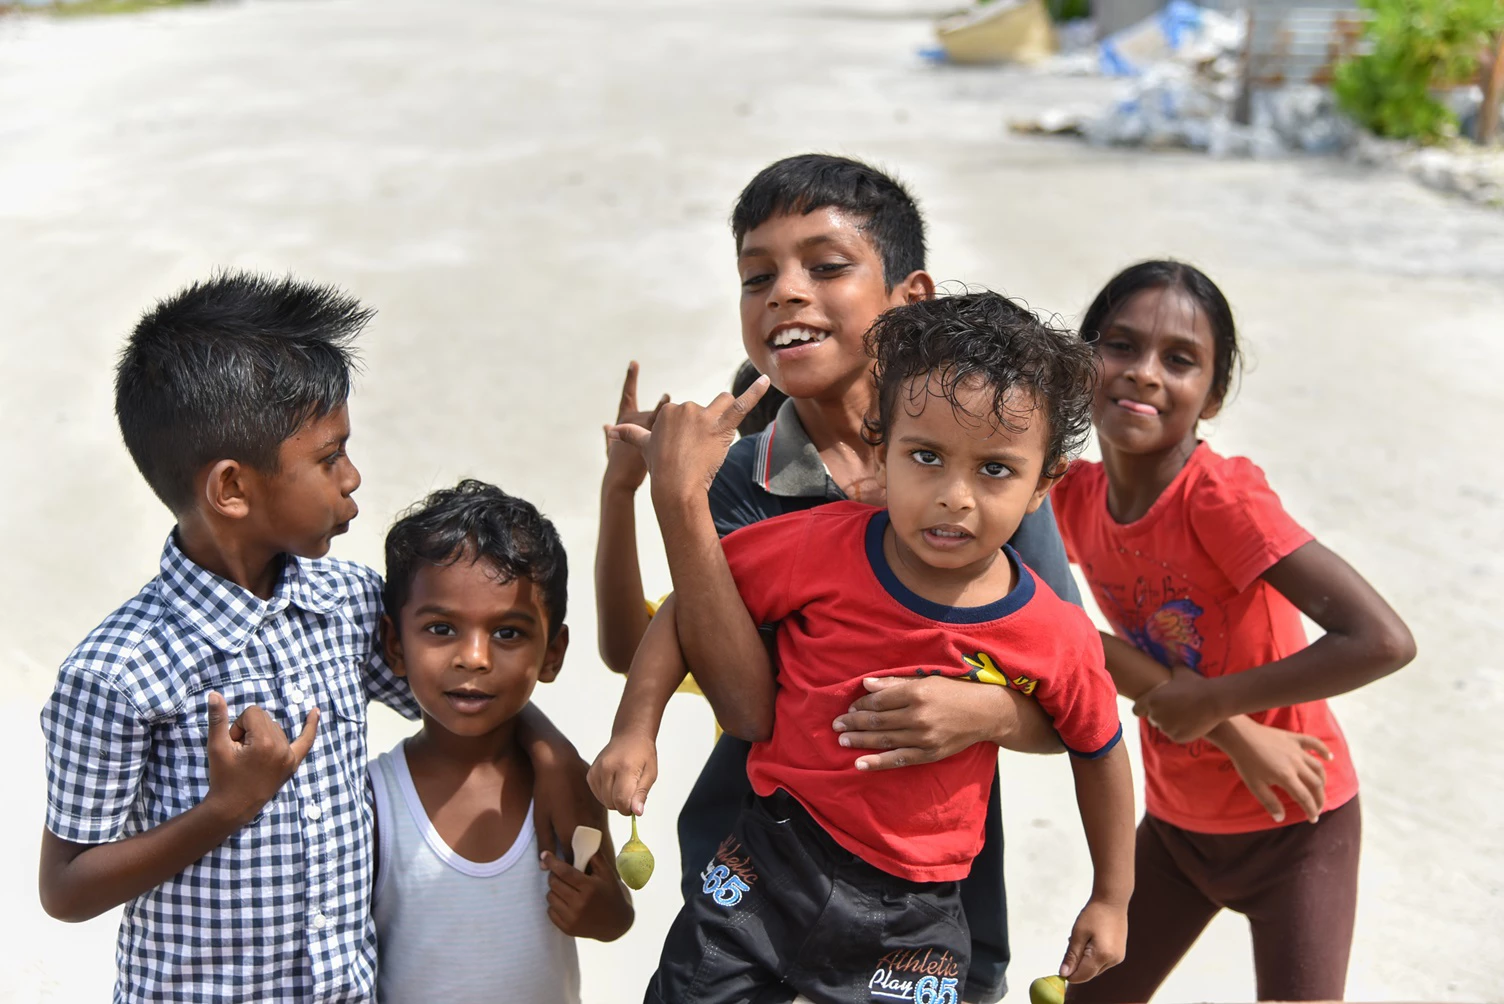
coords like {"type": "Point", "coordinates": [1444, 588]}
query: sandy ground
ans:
{"type": "Point", "coordinates": [534, 194]}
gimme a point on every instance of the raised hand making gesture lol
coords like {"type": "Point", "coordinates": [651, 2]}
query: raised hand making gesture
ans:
{"type": "Point", "coordinates": [625, 468]}
{"type": "Point", "coordinates": [250, 759]}
{"type": "Point", "coordinates": [685, 445]}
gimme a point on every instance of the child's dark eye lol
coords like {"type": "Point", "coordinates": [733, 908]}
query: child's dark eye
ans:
{"type": "Point", "coordinates": [1182, 361]}
{"type": "Point", "coordinates": [440, 629]}
{"type": "Point", "coordinates": [333, 458]}
{"type": "Point", "coordinates": [831, 268]}
{"type": "Point", "coordinates": [996, 470]}
{"type": "Point", "coordinates": [506, 634]}
{"type": "Point", "coordinates": [927, 458]}
{"type": "Point", "coordinates": [1117, 345]}
{"type": "Point", "coordinates": [755, 280]}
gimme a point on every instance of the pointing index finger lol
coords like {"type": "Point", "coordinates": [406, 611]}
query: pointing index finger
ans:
{"type": "Point", "coordinates": [629, 390]}
{"type": "Point", "coordinates": [738, 408]}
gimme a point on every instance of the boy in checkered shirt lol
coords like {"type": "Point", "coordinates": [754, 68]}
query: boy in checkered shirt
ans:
{"type": "Point", "coordinates": [243, 858]}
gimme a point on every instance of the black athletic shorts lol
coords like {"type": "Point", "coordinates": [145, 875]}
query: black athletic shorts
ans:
{"type": "Point", "coordinates": [782, 909]}
{"type": "Point", "coordinates": [723, 789]}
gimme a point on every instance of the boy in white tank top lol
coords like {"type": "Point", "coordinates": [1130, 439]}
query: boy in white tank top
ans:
{"type": "Point", "coordinates": [475, 599]}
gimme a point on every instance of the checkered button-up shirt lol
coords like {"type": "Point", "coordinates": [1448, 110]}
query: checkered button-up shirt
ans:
{"type": "Point", "coordinates": [281, 910]}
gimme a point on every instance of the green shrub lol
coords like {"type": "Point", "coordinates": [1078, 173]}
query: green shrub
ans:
{"type": "Point", "coordinates": [1417, 46]}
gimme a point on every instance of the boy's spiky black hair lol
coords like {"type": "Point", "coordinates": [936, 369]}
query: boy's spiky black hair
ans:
{"type": "Point", "coordinates": [475, 521]}
{"type": "Point", "coordinates": [953, 340]}
{"type": "Point", "coordinates": [228, 369]}
{"type": "Point", "coordinates": [811, 181]}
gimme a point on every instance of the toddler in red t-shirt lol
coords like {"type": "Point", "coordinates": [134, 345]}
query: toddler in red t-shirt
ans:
{"type": "Point", "coordinates": [1204, 576]}
{"type": "Point", "coordinates": [840, 883]}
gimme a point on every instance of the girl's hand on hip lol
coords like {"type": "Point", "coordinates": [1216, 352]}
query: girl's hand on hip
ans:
{"type": "Point", "coordinates": [1268, 758]}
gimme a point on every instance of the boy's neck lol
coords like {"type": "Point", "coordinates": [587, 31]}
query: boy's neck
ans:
{"type": "Point", "coordinates": [1135, 481]}
{"type": "Point", "coordinates": [437, 747]}
{"type": "Point", "coordinates": [835, 427]}
{"type": "Point", "coordinates": [252, 567]}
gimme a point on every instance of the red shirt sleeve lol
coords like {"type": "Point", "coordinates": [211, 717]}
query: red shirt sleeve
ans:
{"type": "Point", "coordinates": [764, 558]}
{"type": "Point", "coordinates": [1080, 695]}
{"type": "Point", "coordinates": [1240, 522]}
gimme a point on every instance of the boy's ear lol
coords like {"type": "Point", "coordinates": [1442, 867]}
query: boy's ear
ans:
{"type": "Point", "coordinates": [553, 658]}
{"type": "Point", "coordinates": [1042, 487]}
{"type": "Point", "coordinates": [917, 286]}
{"type": "Point", "coordinates": [225, 489]}
{"type": "Point", "coordinates": [391, 644]}
{"type": "Point", "coordinates": [1212, 410]}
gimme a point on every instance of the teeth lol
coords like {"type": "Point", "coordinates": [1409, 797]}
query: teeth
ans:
{"type": "Point", "coordinates": [797, 336]}
{"type": "Point", "coordinates": [948, 533]}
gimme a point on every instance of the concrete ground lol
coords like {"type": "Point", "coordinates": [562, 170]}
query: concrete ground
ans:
{"type": "Point", "coordinates": [533, 194]}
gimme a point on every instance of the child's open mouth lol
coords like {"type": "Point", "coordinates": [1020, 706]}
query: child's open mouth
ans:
{"type": "Point", "coordinates": [946, 538]}
{"type": "Point", "coordinates": [468, 701]}
{"type": "Point", "coordinates": [795, 337]}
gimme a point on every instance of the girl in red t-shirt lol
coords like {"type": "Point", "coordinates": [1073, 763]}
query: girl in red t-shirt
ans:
{"type": "Point", "coordinates": [1204, 576]}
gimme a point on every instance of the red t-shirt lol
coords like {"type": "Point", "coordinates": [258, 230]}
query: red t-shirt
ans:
{"type": "Point", "coordinates": [1182, 584]}
{"type": "Point", "coordinates": [842, 615]}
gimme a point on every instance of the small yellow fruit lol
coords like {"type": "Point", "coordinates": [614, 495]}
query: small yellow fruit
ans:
{"type": "Point", "coordinates": [1047, 990]}
{"type": "Point", "coordinates": [635, 862]}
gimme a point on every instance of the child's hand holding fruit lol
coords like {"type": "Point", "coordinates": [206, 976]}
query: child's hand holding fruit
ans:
{"type": "Point", "coordinates": [624, 772]}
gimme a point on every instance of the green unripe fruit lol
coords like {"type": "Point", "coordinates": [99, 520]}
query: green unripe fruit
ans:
{"type": "Point", "coordinates": [1047, 990]}
{"type": "Point", "coordinates": [635, 862]}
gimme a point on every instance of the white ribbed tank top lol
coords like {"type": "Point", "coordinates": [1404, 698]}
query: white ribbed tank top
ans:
{"type": "Point", "coordinates": [454, 930]}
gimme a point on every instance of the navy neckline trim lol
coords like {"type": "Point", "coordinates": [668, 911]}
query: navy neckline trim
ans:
{"type": "Point", "coordinates": [1022, 592]}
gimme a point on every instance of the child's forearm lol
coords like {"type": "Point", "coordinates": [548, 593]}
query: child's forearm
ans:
{"type": "Point", "coordinates": [1023, 726]}
{"type": "Point", "coordinates": [1364, 640]}
{"type": "Point", "coordinates": [742, 711]}
{"type": "Point", "coordinates": [1135, 674]}
{"type": "Point", "coordinates": [620, 605]}
{"type": "Point", "coordinates": [657, 671]}
{"type": "Point", "coordinates": [1132, 672]}
{"type": "Point", "coordinates": [80, 881]}
{"type": "Point", "coordinates": [720, 642]}
{"type": "Point", "coordinates": [1104, 795]}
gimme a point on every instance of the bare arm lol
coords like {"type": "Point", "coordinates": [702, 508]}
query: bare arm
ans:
{"type": "Point", "coordinates": [721, 644]}
{"type": "Point", "coordinates": [929, 719]}
{"type": "Point", "coordinates": [588, 899]}
{"type": "Point", "coordinates": [1265, 758]}
{"type": "Point", "coordinates": [1364, 640]}
{"type": "Point", "coordinates": [248, 763]}
{"type": "Point", "coordinates": [80, 881]}
{"type": "Point", "coordinates": [1104, 795]}
{"type": "Point", "coordinates": [620, 607]}
{"type": "Point", "coordinates": [742, 702]}
{"type": "Point", "coordinates": [625, 770]}
{"type": "Point", "coordinates": [562, 798]}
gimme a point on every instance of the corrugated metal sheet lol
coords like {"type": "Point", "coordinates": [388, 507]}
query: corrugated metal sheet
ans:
{"type": "Point", "coordinates": [1300, 41]}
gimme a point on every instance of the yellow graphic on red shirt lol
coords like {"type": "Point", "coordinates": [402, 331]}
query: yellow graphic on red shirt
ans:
{"type": "Point", "coordinates": [984, 670]}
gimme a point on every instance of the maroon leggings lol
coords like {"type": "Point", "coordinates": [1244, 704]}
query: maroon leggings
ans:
{"type": "Point", "coordinates": [1297, 885]}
